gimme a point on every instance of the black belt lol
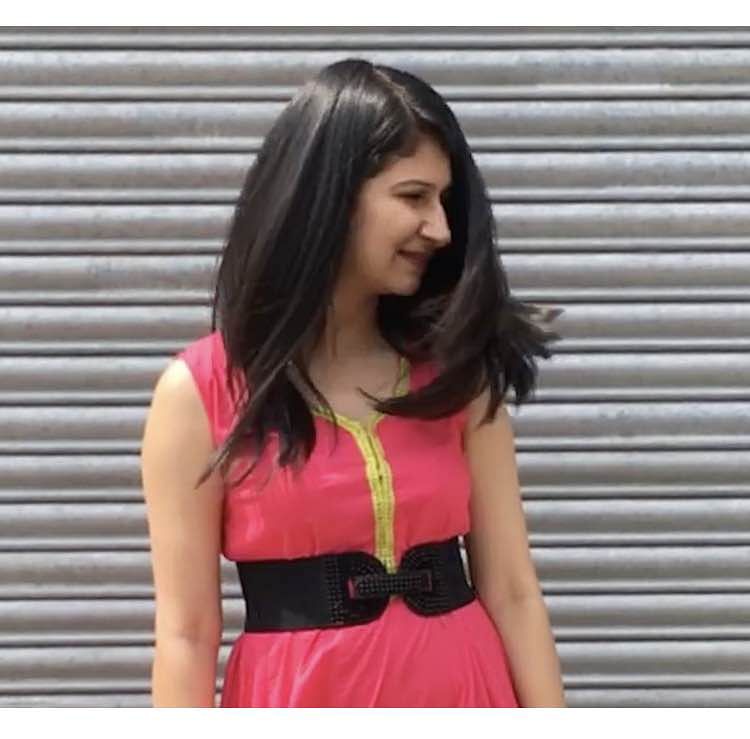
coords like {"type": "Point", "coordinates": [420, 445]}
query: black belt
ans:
{"type": "Point", "coordinates": [350, 588]}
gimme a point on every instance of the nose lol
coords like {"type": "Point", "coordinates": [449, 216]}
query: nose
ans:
{"type": "Point", "coordinates": [435, 227]}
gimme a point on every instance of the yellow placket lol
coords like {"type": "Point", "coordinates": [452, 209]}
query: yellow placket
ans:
{"type": "Point", "coordinates": [378, 472]}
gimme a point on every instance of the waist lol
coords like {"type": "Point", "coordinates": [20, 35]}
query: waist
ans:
{"type": "Point", "coordinates": [349, 588]}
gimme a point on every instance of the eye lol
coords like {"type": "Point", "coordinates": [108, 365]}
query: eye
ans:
{"type": "Point", "coordinates": [412, 195]}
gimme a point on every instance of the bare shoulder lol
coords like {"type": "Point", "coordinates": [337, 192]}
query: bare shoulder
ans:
{"type": "Point", "coordinates": [476, 411]}
{"type": "Point", "coordinates": [177, 423]}
{"type": "Point", "coordinates": [177, 384]}
{"type": "Point", "coordinates": [488, 444]}
{"type": "Point", "coordinates": [177, 393]}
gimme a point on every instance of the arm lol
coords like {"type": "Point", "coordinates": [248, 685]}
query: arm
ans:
{"type": "Point", "coordinates": [185, 533]}
{"type": "Point", "coordinates": [500, 563]}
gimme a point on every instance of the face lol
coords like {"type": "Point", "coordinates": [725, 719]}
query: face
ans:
{"type": "Point", "coordinates": [399, 222]}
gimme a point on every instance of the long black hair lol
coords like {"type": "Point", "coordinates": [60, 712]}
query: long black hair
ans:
{"type": "Point", "coordinates": [285, 244]}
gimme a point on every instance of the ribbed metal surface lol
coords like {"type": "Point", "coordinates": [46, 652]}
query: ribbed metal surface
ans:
{"type": "Point", "coordinates": [617, 162]}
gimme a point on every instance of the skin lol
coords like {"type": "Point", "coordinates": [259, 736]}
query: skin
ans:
{"type": "Point", "coordinates": [500, 563]}
{"type": "Point", "coordinates": [185, 535]}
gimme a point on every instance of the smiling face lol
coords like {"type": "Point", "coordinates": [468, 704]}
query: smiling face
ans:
{"type": "Point", "coordinates": [399, 210]}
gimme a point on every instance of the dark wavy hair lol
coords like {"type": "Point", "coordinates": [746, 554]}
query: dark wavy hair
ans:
{"type": "Point", "coordinates": [285, 244]}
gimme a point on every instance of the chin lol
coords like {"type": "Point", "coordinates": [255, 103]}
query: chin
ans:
{"type": "Point", "coordinates": [406, 289]}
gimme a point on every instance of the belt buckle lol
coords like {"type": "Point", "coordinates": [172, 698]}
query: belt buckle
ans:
{"type": "Point", "coordinates": [346, 607]}
{"type": "Point", "coordinates": [364, 586]}
{"type": "Point", "coordinates": [381, 584]}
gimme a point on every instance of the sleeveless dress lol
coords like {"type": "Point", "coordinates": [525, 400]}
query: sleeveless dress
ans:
{"type": "Point", "coordinates": [389, 484]}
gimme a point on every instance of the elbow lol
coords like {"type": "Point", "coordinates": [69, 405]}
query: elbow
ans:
{"type": "Point", "coordinates": [196, 626]}
{"type": "Point", "coordinates": [501, 595]}
{"type": "Point", "coordinates": [203, 636]}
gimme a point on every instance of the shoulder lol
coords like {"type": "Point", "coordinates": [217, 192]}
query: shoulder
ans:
{"type": "Point", "coordinates": [186, 388]}
{"type": "Point", "coordinates": [478, 409]}
{"type": "Point", "coordinates": [177, 422]}
{"type": "Point", "coordinates": [205, 358]}
{"type": "Point", "coordinates": [189, 372]}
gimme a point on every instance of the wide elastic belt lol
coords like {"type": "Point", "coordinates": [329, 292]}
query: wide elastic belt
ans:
{"type": "Point", "coordinates": [349, 588]}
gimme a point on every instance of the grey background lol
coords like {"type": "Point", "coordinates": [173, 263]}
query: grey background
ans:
{"type": "Point", "coordinates": [618, 166]}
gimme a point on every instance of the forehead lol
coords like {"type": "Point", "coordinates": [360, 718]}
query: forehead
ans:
{"type": "Point", "coordinates": [428, 162]}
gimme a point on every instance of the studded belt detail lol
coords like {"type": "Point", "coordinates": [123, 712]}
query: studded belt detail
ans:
{"type": "Point", "coordinates": [348, 588]}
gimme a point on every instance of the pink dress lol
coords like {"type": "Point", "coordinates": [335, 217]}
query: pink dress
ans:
{"type": "Point", "coordinates": [390, 484]}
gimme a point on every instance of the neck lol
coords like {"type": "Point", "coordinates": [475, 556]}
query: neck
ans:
{"type": "Point", "coordinates": [351, 331]}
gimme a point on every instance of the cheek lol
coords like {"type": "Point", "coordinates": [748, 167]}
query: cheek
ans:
{"type": "Point", "coordinates": [382, 228]}
{"type": "Point", "coordinates": [389, 224]}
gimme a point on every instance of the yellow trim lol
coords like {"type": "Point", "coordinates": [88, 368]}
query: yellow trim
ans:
{"type": "Point", "coordinates": [378, 471]}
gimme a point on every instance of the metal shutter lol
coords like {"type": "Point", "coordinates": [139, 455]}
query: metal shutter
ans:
{"type": "Point", "coordinates": [618, 167]}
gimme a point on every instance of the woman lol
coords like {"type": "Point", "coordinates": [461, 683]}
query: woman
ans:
{"type": "Point", "coordinates": [358, 291]}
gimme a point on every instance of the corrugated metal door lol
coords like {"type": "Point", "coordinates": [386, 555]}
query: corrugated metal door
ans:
{"type": "Point", "coordinates": [618, 165]}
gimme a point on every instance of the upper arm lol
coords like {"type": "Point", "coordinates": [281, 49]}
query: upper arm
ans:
{"type": "Point", "coordinates": [498, 548]}
{"type": "Point", "coordinates": [184, 523]}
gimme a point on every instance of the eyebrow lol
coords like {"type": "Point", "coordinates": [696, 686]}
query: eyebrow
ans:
{"type": "Point", "coordinates": [425, 184]}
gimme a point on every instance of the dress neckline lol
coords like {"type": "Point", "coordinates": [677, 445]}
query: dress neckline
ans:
{"type": "Point", "coordinates": [403, 387]}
